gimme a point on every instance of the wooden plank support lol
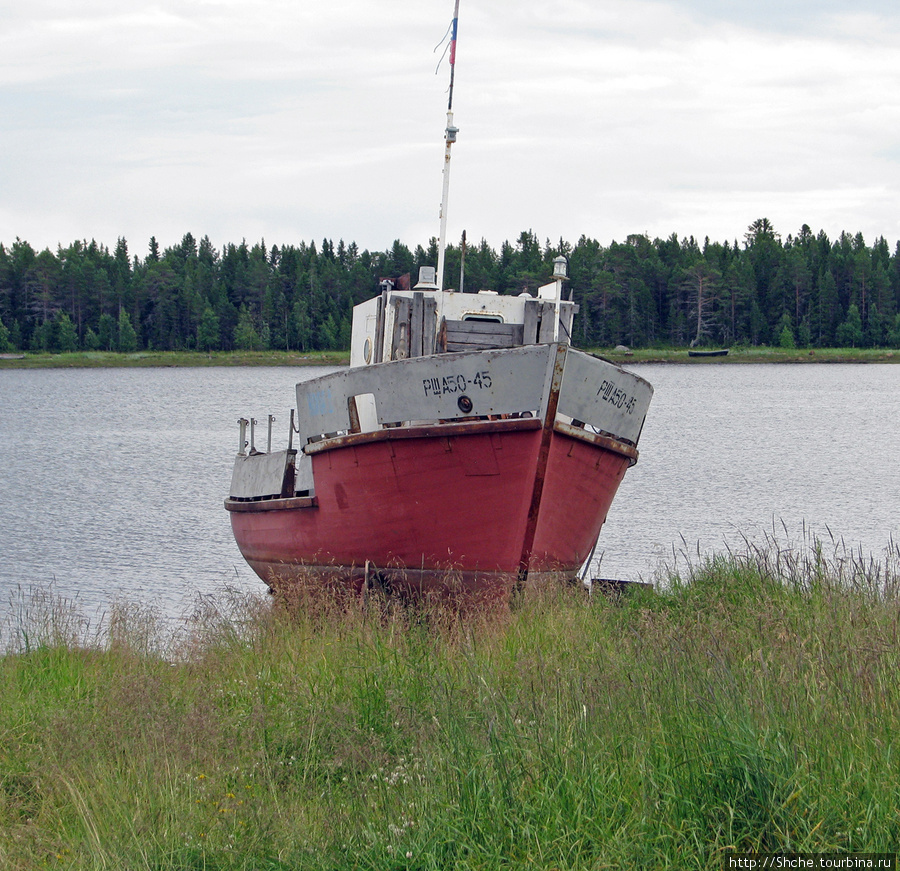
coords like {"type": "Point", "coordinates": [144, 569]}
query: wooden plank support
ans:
{"type": "Point", "coordinates": [480, 335]}
{"type": "Point", "coordinates": [400, 337]}
{"type": "Point", "coordinates": [416, 324]}
{"type": "Point", "coordinates": [532, 317]}
{"type": "Point", "coordinates": [548, 322]}
{"type": "Point", "coordinates": [429, 326]}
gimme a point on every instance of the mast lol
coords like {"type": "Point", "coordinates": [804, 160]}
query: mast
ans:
{"type": "Point", "coordinates": [449, 139]}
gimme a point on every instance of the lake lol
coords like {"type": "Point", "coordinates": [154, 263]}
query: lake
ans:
{"type": "Point", "coordinates": [730, 451]}
{"type": "Point", "coordinates": [113, 480]}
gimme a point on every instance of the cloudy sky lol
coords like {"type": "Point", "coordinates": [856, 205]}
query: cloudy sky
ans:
{"type": "Point", "coordinates": [295, 120]}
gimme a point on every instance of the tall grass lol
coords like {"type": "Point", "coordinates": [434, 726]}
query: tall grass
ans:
{"type": "Point", "coordinates": [752, 704]}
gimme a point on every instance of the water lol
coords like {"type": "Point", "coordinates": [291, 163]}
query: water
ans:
{"type": "Point", "coordinates": [729, 452]}
{"type": "Point", "coordinates": [112, 480]}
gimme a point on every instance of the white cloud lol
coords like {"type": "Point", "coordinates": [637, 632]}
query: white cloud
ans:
{"type": "Point", "coordinates": [297, 121]}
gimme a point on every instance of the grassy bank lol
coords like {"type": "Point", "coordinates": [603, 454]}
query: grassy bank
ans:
{"type": "Point", "coordinates": [753, 705]}
{"type": "Point", "coordinates": [111, 359]}
{"type": "Point", "coordinates": [87, 359]}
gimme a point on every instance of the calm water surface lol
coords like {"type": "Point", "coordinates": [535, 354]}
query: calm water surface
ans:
{"type": "Point", "coordinates": [732, 451]}
{"type": "Point", "coordinates": [112, 480]}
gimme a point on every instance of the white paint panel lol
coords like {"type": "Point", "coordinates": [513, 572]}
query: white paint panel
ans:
{"type": "Point", "coordinates": [498, 381]}
{"type": "Point", "coordinates": [603, 395]}
{"type": "Point", "coordinates": [259, 474]}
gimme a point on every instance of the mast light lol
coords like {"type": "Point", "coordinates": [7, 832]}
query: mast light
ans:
{"type": "Point", "coordinates": [560, 267]}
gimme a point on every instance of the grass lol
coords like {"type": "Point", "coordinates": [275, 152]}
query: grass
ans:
{"type": "Point", "coordinates": [750, 703]}
{"type": "Point", "coordinates": [746, 354]}
{"type": "Point", "coordinates": [111, 359]}
{"type": "Point", "coordinates": [754, 354]}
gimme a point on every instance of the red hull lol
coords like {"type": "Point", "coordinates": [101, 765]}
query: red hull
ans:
{"type": "Point", "coordinates": [476, 506]}
{"type": "Point", "coordinates": [581, 482]}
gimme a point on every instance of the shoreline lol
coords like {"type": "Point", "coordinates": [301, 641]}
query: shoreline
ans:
{"type": "Point", "coordinates": [170, 359]}
{"type": "Point", "coordinates": [678, 356]}
{"type": "Point", "coordinates": [760, 354]}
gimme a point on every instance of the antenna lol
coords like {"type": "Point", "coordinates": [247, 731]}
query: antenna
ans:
{"type": "Point", "coordinates": [462, 263]}
{"type": "Point", "coordinates": [449, 139]}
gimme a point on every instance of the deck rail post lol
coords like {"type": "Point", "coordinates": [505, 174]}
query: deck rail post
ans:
{"type": "Point", "coordinates": [242, 438]}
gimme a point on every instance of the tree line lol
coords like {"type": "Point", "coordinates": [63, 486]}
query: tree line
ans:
{"type": "Point", "coordinates": [804, 290]}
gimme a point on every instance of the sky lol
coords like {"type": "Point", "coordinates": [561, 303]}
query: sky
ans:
{"type": "Point", "coordinates": [298, 120]}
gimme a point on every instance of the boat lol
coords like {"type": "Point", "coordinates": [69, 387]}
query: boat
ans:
{"type": "Point", "coordinates": [467, 451]}
{"type": "Point", "coordinates": [717, 352]}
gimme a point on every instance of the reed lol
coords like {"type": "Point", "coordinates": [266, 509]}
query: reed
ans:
{"type": "Point", "coordinates": [750, 703]}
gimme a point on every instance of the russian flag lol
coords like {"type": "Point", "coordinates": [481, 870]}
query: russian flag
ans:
{"type": "Point", "coordinates": [453, 42]}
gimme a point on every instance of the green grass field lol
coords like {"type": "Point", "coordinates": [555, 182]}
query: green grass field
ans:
{"type": "Point", "coordinates": [751, 703]}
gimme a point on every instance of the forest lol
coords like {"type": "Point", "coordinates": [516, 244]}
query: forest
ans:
{"type": "Point", "coordinates": [803, 290]}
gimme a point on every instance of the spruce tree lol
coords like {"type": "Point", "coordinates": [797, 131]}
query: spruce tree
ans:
{"type": "Point", "coordinates": [5, 343]}
{"type": "Point", "coordinates": [850, 333]}
{"type": "Point", "coordinates": [208, 331]}
{"type": "Point", "coordinates": [65, 334]}
{"type": "Point", "coordinates": [127, 336]}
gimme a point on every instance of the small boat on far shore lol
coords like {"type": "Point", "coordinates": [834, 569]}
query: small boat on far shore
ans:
{"type": "Point", "coordinates": [719, 352]}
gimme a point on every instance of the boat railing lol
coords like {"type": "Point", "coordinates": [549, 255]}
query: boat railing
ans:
{"type": "Point", "coordinates": [243, 443]}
